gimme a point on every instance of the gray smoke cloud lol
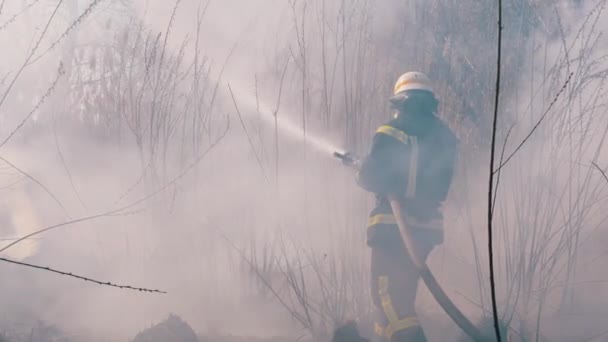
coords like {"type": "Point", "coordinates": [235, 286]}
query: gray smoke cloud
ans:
{"type": "Point", "coordinates": [305, 208]}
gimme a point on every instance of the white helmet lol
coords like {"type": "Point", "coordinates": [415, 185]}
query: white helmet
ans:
{"type": "Point", "coordinates": [413, 80]}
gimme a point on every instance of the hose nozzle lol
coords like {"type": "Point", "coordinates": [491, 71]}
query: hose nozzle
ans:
{"type": "Point", "coordinates": [348, 159]}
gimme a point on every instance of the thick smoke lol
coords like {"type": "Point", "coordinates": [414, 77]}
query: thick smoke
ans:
{"type": "Point", "coordinates": [206, 219]}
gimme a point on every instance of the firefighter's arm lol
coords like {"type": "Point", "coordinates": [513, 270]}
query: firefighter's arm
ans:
{"type": "Point", "coordinates": [379, 171]}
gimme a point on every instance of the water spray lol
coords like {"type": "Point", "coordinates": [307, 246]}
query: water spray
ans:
{"type": "Point", "coordinates": [294, 131]}
{"type": "Point", "coordinates": [270, 116]}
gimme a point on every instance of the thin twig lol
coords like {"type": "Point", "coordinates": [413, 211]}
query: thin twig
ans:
{"type": "Point", "coordinates": [601, 171]}
{"type": "Point", "coordinates": [128, 206]}
{"type": "Point", "coordinates": [60, 72]}
{"type": "Point", "coordinates": [502, 155]}
{"type": "Point", "coordinates": [491, 179]}
{"type": "Point", "coordinates": [15, 16]}
{"type": "Point", "coordinates": [39, 184]}
{"type": "Point", "coordinates": [65, 165]}
{"type": "Point", "coordinates": [537, 123]}
{"type": "Point", "coordinates": [257, 157]}
{"type": "Point", "coordinates": [136, 184]}
{"type": "Point", "coordinates": [266, 283]}
{"type": "Point", "coordinates": [70, 274]}
{"type": "Point", "coordinates": [62, 224]}
{"type": "Point", "coordinates": [76, 22]}
{"type": "Point", "coordinates": [32, 52]}
{"type": "Point", "coordinates": [13, 239]}
{"type": "Point", "coordinates": [276, 122]}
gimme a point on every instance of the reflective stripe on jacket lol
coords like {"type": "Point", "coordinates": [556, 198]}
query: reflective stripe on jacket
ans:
{"type": "Point", "coordinates": [416, 169]}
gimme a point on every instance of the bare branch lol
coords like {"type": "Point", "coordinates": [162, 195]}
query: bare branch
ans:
{"type": "Point", "coordinates": [32, 52]}
{"type": "Point", "coordinates": [76, 22]}
{"type": "Point", "coordinates": [491, 180]}
{"type": "Point", "coordinates": [502, 155]}
{"type": "Point", "coordinates": [600, 170]}
{"type": "Point", "coordinates": [39, 184]}
{"type": "Point", "coordinates": [121, 210]}
{"type": "Point", "coordinates": [537, 123]}
{"type": "Point", "coordinates": [12, 19]}
{"type": "Point", "coordinates": [276, 121]}
{"type": "Point", "coordinates": [60, 72]}
{"type": "Point", "coordinates": [65, 166]}
{"type": "Point", "coordinates": [70, 274]}
{"type": "Point", "coordinates": [263, 279]}
{"type": "Point", "coordinates": [140, 179]}
{"type": "Point", "coordinates": [247, 134]}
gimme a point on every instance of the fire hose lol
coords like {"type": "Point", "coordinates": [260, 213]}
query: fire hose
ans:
{"type": "Point", "coordinates": [423, 270]}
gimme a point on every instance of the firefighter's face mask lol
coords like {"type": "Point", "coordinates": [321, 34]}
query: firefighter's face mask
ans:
{"type": "Point", "coordinates": [414, 110]}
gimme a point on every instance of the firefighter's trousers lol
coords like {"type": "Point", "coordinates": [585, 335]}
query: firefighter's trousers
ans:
{"type": "Point", "coordinates": [394, 283]}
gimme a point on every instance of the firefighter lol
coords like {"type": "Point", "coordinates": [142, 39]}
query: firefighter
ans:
{"type": "Point", "coordinates": [412, 159]}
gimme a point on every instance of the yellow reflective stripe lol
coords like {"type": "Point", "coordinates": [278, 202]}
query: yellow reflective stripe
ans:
{"type": "Point", "coordinates": [393, 132]}
{"type": "Point", "coordinates": [381, 219]}
{"type": "Point", "coordinates": [385, 299]}
{"type": "Point", "coordinates": [399, 85]}
{"type": "Point", "coordinates": [401, 325]}
{"type": "Point", "coordinates": [394, 323]}
{"type": "Point", "coordinates": [409, 140]}
{"type": "Point", "coordinates": [413, 171]}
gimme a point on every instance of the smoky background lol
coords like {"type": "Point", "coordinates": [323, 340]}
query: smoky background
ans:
{"type": "Point", "coordinates": [246, 221]}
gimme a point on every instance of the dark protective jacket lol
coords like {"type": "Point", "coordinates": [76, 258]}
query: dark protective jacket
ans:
{"type": "Point", "coordinates": [417, 168]}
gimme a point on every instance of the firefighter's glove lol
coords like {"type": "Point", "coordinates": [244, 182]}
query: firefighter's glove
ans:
{"type": "Point", "coordinates": [349, 159]}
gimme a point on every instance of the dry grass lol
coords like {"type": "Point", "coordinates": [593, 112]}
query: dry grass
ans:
{"type": "Point", "coordinates": [337, 72]}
